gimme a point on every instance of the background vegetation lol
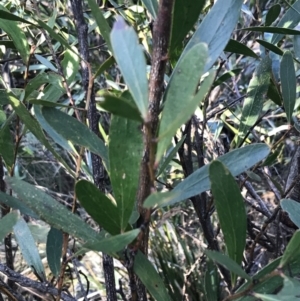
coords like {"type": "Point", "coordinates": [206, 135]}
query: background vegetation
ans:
{"type": "Point", "coordinates": [145, 149]}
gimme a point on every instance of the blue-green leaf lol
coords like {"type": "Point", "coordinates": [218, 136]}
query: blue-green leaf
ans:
{"type": "Point", "coordinates": [292, 250]}
{"type": "Point", "coordinates": [7, 223]}
{"type": "Point", "coordinates": [216, 28]}
{"type": "Point", "coordinates": [293, 209]}
{"type": "Point", "coordinates": [237, 161]}
{"type": "Point", "coordinates": [101, 22]}
{"type": "Point", "coordinates": [54, 250]}
{"type": "Point", "coordinates": [289, 20]}
{"type": "Point", "coordinates": [152, 7]}
{"type": "Point", "coordinates": [288, 84]}
{"type": "Point", "coordinates": [28, 247]}
{"type": "Point", "coordinates": [253, 103]}
{"type": "Point", "coordinates": [98, 206]}
{"type": "Point", "coordinates": [125, 135]}
{"type": "Point", "coordinates": [75, 131]}
{"type": "Point", "coordinates": [132, 63]}
{"type": "Point", "coordinates": [187, 74]}
{"type": "Point", "coordinates": [150, 278]}
{"type": "Point", "coordinates": [230, 208]}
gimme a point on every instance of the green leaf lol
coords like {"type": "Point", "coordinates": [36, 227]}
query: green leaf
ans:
{"type": "Point", "coordinates": [16, 204]}
{"type": "Point", "coordinates": [54, 250]}
{"type": "Point", "coordinates": [120, 106]}
{"type": "Point", "coordinates": [152, 7]}
{"type": "Point", "coordinates": [253, 103]}
{"type": "Point", "coordinates": [159, 198]}
{"type": "Point", "coordinates": [228, 263]}
{"type": "Point", "coordinates": [289, 20]}
{"type": "Point", "coordinates": [296, 44]}
{"type": "Point", "coordinates": [113, 244]}
{"type": "Point", "coordinates": [132, 63]}
{"type": "Point", "coordinates": [7, 223]}
{"type": "Point", "coordinates": [75, 131]}
{"type": "Point", "coordinates": [187, 74]}
{"type": "Point", "coordinates": [270, 46]}
{"type": "Point", "coordinates": [6, 15]}
{"type": "Point", "coordinates": [272, 14]}
{"type": "Point", "coordinates": [237, 47]}
{"type": "Point", "coordinates": [41, 79]}
{"type": "Point", "coordinates": [125, 135]}
{"type": "Point", "coordinates": [70, 64]}
{"type": "Point", "coordinates": [274, 93]}
{"type": "Point", "coordinates": [7, 147]}
{"type": "Point", "coordinates": [292, 250]}
{"type": "Point", "coordinates": [57, 138]}
{"type": "Point", "coordinates": [34, 127]}
{"type": "Point", "coordinates": [289, 292]}
{"type": "Point", "coordinates": [288, 84]}
{"type": "Point", "coordinates": [98, 206]}
{"type": "Point", "coordinates": [279, 30]}
{"type": "Point", "coordinates": [211, 282]}
{"type": "Point", "coordinates": [230, 208]}
{"type": "Point", "coordinates": [54, 35]}
{"type": "Point", "coordinates": [185, 15]}
{"type": "Point", "coordinates": [293, 209]}
{"type": "Point", "coordinates": [28, 247]}
{"type": "Point", "coordinates": [101, 22]}
{"type": "Point", "coordinates": [150, 278]}
{"type": "Point", "coordinates": [45, 62]}
{"type": "Point", "coordinates": [237, 161]}
{"type": "Point", "coordinates": [51, 211]}
{"type": "Point", "coordinates": [15, 33]}
{"type": "Point", "coordinates": [216, 28]}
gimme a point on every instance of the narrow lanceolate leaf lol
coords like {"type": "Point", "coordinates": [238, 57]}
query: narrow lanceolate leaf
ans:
{"type": "Point", "coordinates": [256, 91]}
{"type": "Point", "coordinates": [216, 28]}
{"type": "Point", "coordinates": [288, 84]}
{"type": "Point", "coordinates": [292, 250]}
{"type": "Point", "coordinates": [237, 161]}
{"type": "Point", "coordinates": [113, 244]}
{"type": "Point", "coordinates": [98, 206]}
{"type": "Point", "coordinates": [75, 131]}
{"type": "Point", "coordinates": [6, 224]}
{"type": "Point", "coordinates": [150, 278]}
{"type": "Point", "coordinates": [34, 127]}
{"type": "Point", "coordinates": [228, 263]}
{"type": "Point", "coordinates": [125, 153]}
{"type": "Point", "coordinates": [272, 14]}
{"type": "Point", "coordinates": [28, 247]}
{"type": "Point", "coordinates": [17, 35]}
{"type": "Point", "coordinates": [185, 15]}
{"type": "Point", "coordinates": [289, 20]}
{"type": "Point", "coordinates": [187, 74]}
{"type": "Point", "coordinates": [7, 146]}
{"type": "Point", "coordinates": [230, 208]}
{"type": "Point", "coordinates": [101, 22]}
{"type": "Point", "coordinates": [54, 250]}
{"type": "Point", "coordinates": [51, 211]}
{"type": "Point", "coordinates": [120, 106]}
{"type": "Point", "coordinates": [237, 47]}
{"type": "Point", "coordinates": [296, 44]}
{"type": "Point", "coordinates": [16, 204]}
{"type": "Point", "coordinates": [293, 209]}
{"type": "Point", "coordinates": [132, 63]}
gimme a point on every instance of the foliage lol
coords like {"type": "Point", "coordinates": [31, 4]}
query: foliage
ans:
{"type": "Point", "coordinates": [149, 131]}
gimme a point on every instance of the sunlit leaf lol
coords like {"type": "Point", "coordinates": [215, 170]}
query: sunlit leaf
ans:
{"type": "Point", "coordinates": [253, 103]}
